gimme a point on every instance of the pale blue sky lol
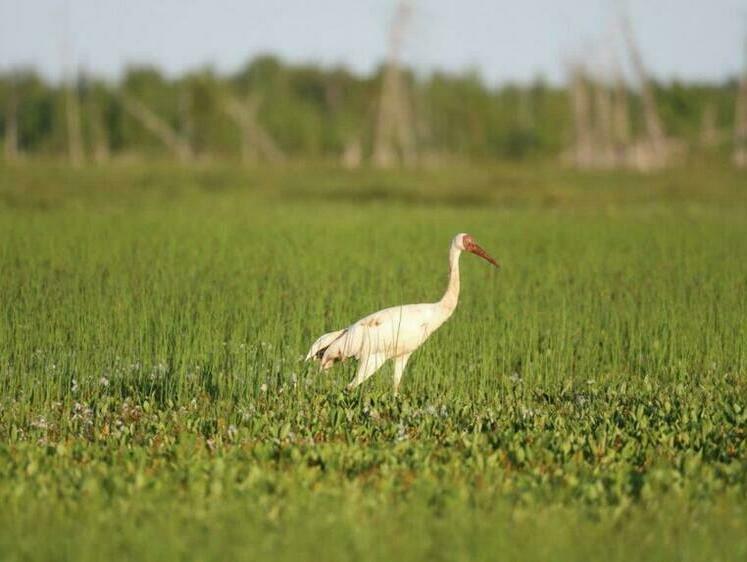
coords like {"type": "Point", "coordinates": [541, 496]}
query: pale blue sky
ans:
{"type": "Point", "coordinates": [504, 40]}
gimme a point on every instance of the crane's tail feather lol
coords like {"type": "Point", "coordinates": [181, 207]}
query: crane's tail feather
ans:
{"type": "Point", "coordinates": [320, 346]}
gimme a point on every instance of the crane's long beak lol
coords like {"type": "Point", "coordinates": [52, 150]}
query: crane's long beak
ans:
{"type": "Point", "coordinates": [478, 251]}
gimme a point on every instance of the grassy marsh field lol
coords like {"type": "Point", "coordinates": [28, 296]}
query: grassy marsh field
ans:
{"type": "Point", "coordinates": [588, 400]}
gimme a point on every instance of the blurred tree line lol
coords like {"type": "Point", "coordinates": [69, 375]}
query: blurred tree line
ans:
{"type": "Point", "coordinates": [309, 112]}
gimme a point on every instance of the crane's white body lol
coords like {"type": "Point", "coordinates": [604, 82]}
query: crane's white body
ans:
{"type": "Point", "coordinates": [392, 333]}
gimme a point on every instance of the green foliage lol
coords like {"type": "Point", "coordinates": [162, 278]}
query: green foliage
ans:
{"type": "Point", "coordinates": [585, 401]}
{"type": "Point", "coordinates": [314, 113]}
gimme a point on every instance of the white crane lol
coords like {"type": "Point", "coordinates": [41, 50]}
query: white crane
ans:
{"type": "Point", "coordinates": [394, 333]}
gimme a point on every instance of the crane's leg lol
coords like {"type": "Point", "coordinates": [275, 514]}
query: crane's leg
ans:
{"type": "Point", "coordinates": [367, 366]}
{"type": "Point", "coordinates": [399, 369]}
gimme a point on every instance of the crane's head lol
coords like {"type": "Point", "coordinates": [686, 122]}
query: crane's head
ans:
{"type": "Point", "coordinates": [466, 243]}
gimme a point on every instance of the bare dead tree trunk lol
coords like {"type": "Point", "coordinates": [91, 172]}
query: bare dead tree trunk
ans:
{"type": "Point", "coordinates": [654, 128]}
{"type": "Point", "coordinates": [394, 127]}
{"type": "Point", "coordinates": [581, 107]}
{"type": "Point", "coordinates": [74, 134]}
{"type": "Point", "coordinates": [740, 126]}
{"type": "Point", "coordinates": [603, 125]}
{"type": "Point", "coordinates": [11, 124]}
{"type": "Point", "coordinates": [740, 121]}
{"type": "Point", "coordinates": [620, 121]}
{"type": "Point", "coordinates": [255, 140]}
{"type": "Point", "coordinates": [384, 155]}
{"type": "Point", "coordinates": [353, 154]}
{"type": "Point", "coordinates": [179, 146]}
{"type": "Point", "coordinates": [241, 114]}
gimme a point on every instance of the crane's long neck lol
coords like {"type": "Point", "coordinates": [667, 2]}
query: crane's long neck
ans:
{"type": "Point", "coordinates": [451, 296]}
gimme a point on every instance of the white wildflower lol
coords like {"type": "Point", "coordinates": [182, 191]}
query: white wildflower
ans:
{"type": "Point", "coordinates": [39, 423]}
{"type": "Point", "coordinates": [401, 433]}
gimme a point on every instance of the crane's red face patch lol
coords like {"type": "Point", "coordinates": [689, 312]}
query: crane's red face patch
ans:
{"type": "Point", "coordinates": [473, 247]}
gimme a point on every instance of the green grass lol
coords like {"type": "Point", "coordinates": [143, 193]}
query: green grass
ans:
{"type": "Point", "coordinates": [586, 401]}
